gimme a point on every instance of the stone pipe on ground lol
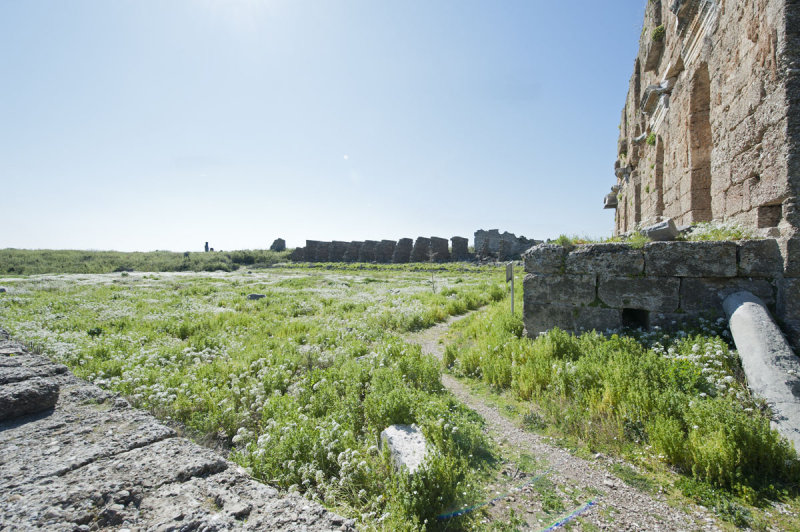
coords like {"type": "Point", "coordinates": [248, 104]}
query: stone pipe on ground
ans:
{"type": "Point", "coordinates": [771, 367]}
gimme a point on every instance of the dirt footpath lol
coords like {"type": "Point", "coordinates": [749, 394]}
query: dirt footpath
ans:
{"type": "Point", "coordinates": [565, 484]}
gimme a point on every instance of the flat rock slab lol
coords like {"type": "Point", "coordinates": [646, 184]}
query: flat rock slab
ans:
{"type": "Point", "coordinates": [406, 444]}
{"type": "Point", "coordinates": [20, 398]}
{"type": "Point", "coordinates": [94, 463]}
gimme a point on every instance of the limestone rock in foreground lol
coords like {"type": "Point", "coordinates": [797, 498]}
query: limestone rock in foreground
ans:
{"type": "Point", "coordinates": [407, 445]}
{"type": "Point", "coordinates": [27, 397]}
{"type": "Point", "coordinates": [95, 463]}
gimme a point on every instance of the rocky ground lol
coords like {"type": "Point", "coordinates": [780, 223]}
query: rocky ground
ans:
{"type": "Point", "coordinates": [75, 457]}
{"type": "Point", "coordinates": [547, 484]}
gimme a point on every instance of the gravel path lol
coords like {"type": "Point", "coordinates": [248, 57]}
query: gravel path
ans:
{"type": "Point", "coordinates": [618, 505]}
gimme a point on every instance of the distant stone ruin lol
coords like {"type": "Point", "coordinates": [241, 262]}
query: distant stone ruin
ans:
{"type": "Point", "coordinates": [460, 249]}
{"type": "Point", "coordinates": [278, 244]}
{"type": "Point", "coordinates": [505, 246]}
{"type": "Point", "coordinates": [494, 246]}
{"type": "Point", "coordinates": [422, 250]}
{"type": "Point", "coordinates": [402, 253]}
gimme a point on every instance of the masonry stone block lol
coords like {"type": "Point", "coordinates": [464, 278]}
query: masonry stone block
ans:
{"type": "Point", "coordinates": [760, 258]}
{"type": "Point", "coordinates": [573, 289]}
{"type": "Point", "coordinates": [690, 259]}
{"type": "Point", "coordinates": [311, 250]}
{"type": "Point", "coordinates": [659, 294]}
{"type": "Point", "coordinates": [788, 308]}
{"type": "Point", "coordinates": [790, 248]}
{"type": "Point", "coordinates": [545, 258]}
{"type": "Point", "coordinates": [422, 250]}
{"type": "Point", "coordinates": [323, 252]}
{"type": "Point", "coordinates": [698, 295]}
{"type": "Point", "coordinates": [298, 254]}
{"type": "Point", "coordinates": [460, 247]}
{"type": "Point", "coordinates": [385, 251]}
{"type": "Point", "coordinates": [402, 253]}
{"type": "Point", "coordinates": [367, 251]}
{"type": "Point", "coordinates": [353, 251]}
{"type": "Point", "coordinates": [440, 250]}
{"type": "Point", "coordinates": [606, 259]}
{"type": "Point", "coordinates": [539, 318]}
{"type": "Point", "coordinates": [278, 244]}
{"type": "Point", "coordinates": [337, 251]}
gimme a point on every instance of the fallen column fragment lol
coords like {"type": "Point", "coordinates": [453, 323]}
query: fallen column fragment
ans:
{"type": "Point", "coordinates": [771, 367]}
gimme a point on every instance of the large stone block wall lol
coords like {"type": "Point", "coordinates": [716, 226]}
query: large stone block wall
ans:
{"type": "Point", "coordinates": [710, 128]}
{"type": "Point", "coordinates": [504, 246]}
{"type": "Point", "coordinates": [424, 249]}
{"type": "Point", "coordinates": [666, 284]}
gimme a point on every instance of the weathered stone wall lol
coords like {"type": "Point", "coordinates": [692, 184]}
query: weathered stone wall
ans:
{"type": "Point", "coordinates": [278, 244]}
{"type": "Point", "coordinates": [460, 248]}
{"type": "Point", "coordinates": [422, 250]}
{"type": "Point", "coordinates": [489, 243]}
{"type": "Point", "coordinates": [606, 286]}
{"type": "Point", "coordinates": [402, 253]}
{"type": "Point", "coordinates": [367, 252]}
{"type": "Point", "coordinates": [504, 246]}
{"type": "Point", "coordinates": [440, 251]}
{"type": "Point", "coordinates": [337, 251]}
{"type": "Point", "coordinates": [385, 251]}
{"type": "Point", "coordinates": [710, 126]}
{"type": "Point", "coordinates": [353, 251]}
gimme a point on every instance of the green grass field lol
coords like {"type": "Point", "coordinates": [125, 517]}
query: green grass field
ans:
{"type": "Point", "coordinates": [299, 384]}
{"type": "Point", "coordinates": [39, 261]}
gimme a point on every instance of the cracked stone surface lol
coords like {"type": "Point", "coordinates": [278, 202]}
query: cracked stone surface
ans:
{"type": "Point", "coordinates": [83, 459]}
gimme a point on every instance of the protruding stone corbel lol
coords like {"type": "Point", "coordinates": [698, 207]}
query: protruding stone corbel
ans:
{"type": "Point", "coordinates": [611, 201]}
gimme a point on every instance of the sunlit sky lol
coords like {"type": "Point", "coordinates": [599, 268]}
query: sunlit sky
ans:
{"type": "Point", "coordinates": [162, 124]}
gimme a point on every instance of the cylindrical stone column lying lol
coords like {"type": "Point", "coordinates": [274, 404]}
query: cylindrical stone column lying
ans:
{"type": "Point", "coordinates": [771, 367]}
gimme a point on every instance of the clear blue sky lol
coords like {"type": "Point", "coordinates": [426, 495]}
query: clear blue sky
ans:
{"type": "Point", "coordinates": [140, 125]}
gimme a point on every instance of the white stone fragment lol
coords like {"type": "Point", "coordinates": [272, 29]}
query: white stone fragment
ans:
{"type": "Point", "coordinates": [407, 445]}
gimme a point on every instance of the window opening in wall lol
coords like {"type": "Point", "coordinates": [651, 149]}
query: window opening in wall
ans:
{"type": "Point", "coordinates": [635, 318]}
{"type": "Point", "coordinates": [637, 86]}
{"type": "Point", "coordinates": [700, 145]}
{"type": "Point", "coordinates": [637, 202]}
{"type": "Point", "coordinates": [769, 215]}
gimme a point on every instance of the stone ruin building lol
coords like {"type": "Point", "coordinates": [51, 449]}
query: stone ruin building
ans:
{"type": "Point", "coordinates": [711, 124]}
{"type": "Point", "coordinates": [505, 246]}
{"type": "Point", "coordinates": [489, 245]}
{"type": "Point", "coordinates": [710, 131]}
{"type": "Point", "coordinates": [405, 250]}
